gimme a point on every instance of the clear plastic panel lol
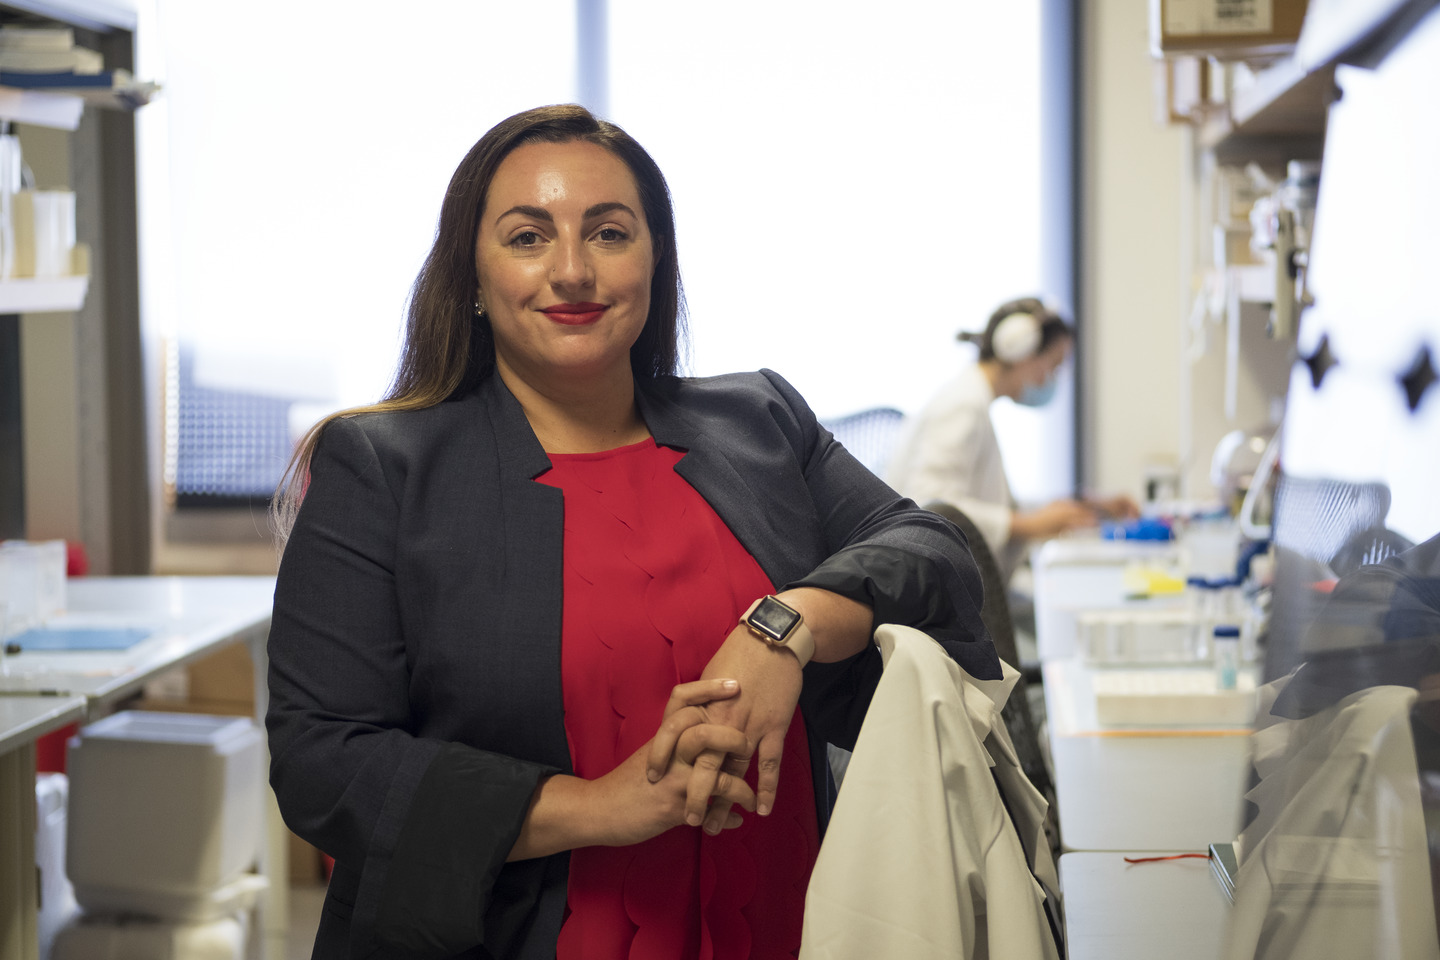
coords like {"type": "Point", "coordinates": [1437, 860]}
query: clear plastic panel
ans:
{"type": "Point", "coordinates": [1343, 811]}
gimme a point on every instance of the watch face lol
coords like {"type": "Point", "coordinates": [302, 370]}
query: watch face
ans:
{"type": "Point", "coordinates": [774, 619]}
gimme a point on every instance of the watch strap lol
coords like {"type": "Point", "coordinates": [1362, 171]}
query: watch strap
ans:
{"type": "Point", "coordinates": [798, 639]}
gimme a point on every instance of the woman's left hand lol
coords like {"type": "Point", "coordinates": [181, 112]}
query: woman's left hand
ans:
{"type": "Point", "coordinates": [770, 680]}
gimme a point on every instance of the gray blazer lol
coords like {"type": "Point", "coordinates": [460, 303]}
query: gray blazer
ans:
{"type": "Point", "coordinates": [415, 698]}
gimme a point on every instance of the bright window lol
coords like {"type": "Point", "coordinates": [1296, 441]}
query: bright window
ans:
{"type": "Point", "coordinates": [852, 184]}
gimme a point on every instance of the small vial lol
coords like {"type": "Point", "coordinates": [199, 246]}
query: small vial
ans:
{"type": "Point", "coordinates": [1226, 644]}
{"type": "Point", "coordinates": [1202, 617]}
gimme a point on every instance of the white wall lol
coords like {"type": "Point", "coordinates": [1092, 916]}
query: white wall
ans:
{"type": "Point", "coordinates": [1146, 254]}
{"type": "Point", "coordinates": [1130, 255]}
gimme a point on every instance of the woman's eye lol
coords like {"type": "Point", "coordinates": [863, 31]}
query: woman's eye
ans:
{"type": "Point", "coordinates": [527, 239]}
{"type": "Point", "coordinates": [611, 235]}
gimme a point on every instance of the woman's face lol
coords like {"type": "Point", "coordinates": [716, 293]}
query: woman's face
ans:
{"type": "Point", "coordinates": [1040, 369]}
{"type": "Point", "coordinates": [565, 259]}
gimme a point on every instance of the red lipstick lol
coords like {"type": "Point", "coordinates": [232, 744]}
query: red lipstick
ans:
{"type": "Point", "coordinates": [575, 314]}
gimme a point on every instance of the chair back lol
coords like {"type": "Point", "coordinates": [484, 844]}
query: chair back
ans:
{"type": "Point", "coordinates": [995, 613]}
{"type": "Point", "coordinates": [869, 435]}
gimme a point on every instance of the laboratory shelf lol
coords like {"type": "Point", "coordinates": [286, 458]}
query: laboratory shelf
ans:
{"type": "Point", "coordinates": [60, 111]}
{"type": "Point", "coordinates": [1281, 113]}
{"type": "Point", "coordinates": [36, 295]}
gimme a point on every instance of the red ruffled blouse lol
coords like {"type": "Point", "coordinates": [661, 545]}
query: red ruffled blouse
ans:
{"type": "Point", "coordinates": [654, 581]}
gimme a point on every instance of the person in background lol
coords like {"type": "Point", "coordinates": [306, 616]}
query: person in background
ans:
{"type": "Point", "coordinates": [544, 613]}
{"type": "Point", "coordinates": [950, 451]}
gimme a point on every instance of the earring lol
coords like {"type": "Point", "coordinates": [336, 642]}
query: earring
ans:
{"type": "Point", "coordinates": [479, 309]}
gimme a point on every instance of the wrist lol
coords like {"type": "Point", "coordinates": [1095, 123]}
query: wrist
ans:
{"type": "Point", "coordinates": [841, 627]}
{"type": "Point", "coordinates": [774, 622]}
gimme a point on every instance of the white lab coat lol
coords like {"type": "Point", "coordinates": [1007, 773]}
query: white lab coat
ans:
{"type": "Point", "coordinates": [921, 859]}
{"type": "Point", "coordinates": [949, 452]}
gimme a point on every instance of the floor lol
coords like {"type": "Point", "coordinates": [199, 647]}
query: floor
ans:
{"type": "Point", "coordinates": [305, 904]}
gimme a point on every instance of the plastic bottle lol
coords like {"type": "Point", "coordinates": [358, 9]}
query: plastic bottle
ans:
{"type": "Point", "coordinates": [1199, 599]}
{"type": "Point", "coordinates": [1229, 604]}
{"type": "Point", "coordinates": [1226, 640]}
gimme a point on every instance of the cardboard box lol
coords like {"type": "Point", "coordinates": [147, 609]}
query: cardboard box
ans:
{"type": "Point", "coordinates": [1225, 29]}
{"type": "Point", "coordinates": [226, 676]}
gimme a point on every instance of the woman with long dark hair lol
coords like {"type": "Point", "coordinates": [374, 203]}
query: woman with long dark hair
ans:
{"type": "Point", "coordinates": [549, 613]}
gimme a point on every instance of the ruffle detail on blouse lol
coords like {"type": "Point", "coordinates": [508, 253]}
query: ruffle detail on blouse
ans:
{"type": "Point", "coordinates": [654, 582]}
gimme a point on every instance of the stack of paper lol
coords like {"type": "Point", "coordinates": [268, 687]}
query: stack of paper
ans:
{"type": "Point", "coordinates": [45, 50]}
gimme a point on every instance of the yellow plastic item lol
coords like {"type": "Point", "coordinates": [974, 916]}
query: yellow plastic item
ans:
{"type": "Point", "coordinates": [1146, 582]}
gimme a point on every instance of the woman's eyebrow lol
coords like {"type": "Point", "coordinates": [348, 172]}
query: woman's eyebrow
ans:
{"type": "Point", "coordinates": [525, 210]}
{"type": "Point", "coordinates": [540, 213]}
{"type": "Point", "coordinates": [603, 208]}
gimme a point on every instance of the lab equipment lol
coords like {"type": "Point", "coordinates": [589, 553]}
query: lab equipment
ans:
{"type": "Point", "coordinates": [1200, 602]}
{"type": "Point", "coordinates": [1227, 656]}
{"type": "Point", "coordinates": [1171, 697]}
{"type": "Point", "coordinates": [32, 583]}
{"type": "Point", "coordinates": [1127, 637]}
{"type": "Point", "coordinates": [165, 819]}
{"type": "Point", "coordinates": [1141, 528]}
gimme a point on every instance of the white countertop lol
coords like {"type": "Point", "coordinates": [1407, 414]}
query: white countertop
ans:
{"type": "Point", "coordinates": [1139, 789]}
{"type": "Point", "coordinates": [188, 617]}
{"type": "Point", "coordinates": [1115, 910]}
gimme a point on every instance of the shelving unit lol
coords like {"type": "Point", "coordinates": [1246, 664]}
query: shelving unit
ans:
{"type": "Point", "coordinates": [1281, 114]}
{"type": "Point", "coordinates": [43, 294]}
{"type": "Point", "coordinates": [59, 109]}
{"type": "Point", "coordinates": [73, 434]}
{"type": "Point", "coordinates": [42, 108]}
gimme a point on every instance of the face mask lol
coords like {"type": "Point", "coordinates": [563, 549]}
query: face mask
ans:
{"type": "Point", "coordinates": [1038, 396]}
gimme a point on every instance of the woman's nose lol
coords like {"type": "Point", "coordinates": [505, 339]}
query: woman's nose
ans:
{"type": "Point", "coordinates": [571, 265]}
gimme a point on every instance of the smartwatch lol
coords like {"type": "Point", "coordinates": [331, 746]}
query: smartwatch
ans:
{"type": "Point", "coordinates": [780, 625]}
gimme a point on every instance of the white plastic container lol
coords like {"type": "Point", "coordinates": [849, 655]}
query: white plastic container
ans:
{"type": "Point", "coordinates": [1074, 576]}
{"type": "Point", "coordinates": [1135, 637]}
{"type": "Point", "coordinates": [57, 899]}
{"type": "Point", "coordinates": [165, 816]}
{"type": "Point", "coordinates": [32, 582]}
{"type": "Point", "coordinates": [1172, 697]}
{"type": "Point", "coordinates": [90, 938]}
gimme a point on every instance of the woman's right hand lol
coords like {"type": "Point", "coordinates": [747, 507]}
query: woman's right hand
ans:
{"type": "Point", "coordinates": [625, 806]}
{"type": "Point", "coordinates": [1052, 520]}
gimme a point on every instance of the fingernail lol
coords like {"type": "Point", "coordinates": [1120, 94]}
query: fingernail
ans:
{"type": "Point", "coordinates": [763, 809]}
{"type": "Point", "coordinates": [693, 819]}
{"type": "Point", "coordinates": [730, 684]}
{"type": "Point", "coordinates": [712, 828]}
{"type": "Point", "coordinates": [653, 776]}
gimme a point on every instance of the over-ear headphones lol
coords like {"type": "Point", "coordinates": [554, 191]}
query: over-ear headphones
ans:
{"type": "Point", "coordinates": [1016, 337]}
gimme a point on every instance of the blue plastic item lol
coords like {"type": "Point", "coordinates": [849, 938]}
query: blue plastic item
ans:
{"type": "Point", "coordinates": [1145, 528]}
{"type": "Point", "coordinates": [78, 638]}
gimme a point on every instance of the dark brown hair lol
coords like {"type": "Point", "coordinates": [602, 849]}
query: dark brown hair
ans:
{"type": "Point", "coordinates": [449, 350]}
{"type": "Point", "coordinates": [1053, 327]}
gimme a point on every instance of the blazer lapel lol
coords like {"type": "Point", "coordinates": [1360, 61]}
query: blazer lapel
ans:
{"type": "Point", "coordinates": [708, 468]}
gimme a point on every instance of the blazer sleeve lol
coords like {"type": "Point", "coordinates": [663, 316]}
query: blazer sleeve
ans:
{"type": "Point", "coordinates": [912, 566]}
{"type": "Point", "coordinates": [419, 828]}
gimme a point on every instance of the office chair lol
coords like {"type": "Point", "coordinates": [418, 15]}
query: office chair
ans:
{"type": "Point", "coordinates": [1338, 523]}
{"type": "Point", "coordinates": [995, 613]}
{"type": "Point", "coordinates": [869, 435]}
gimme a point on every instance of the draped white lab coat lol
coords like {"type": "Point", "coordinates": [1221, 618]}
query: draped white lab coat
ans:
{"type": "Point", "coordinates": [921, 859]}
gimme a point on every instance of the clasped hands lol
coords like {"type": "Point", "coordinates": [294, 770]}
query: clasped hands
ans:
{"type": "Point", "coordinates": [769, 681]}
{"type": "Point", "coordinates": [692, 771]}
{"type": "Point", "coordinates": [700, 728]}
